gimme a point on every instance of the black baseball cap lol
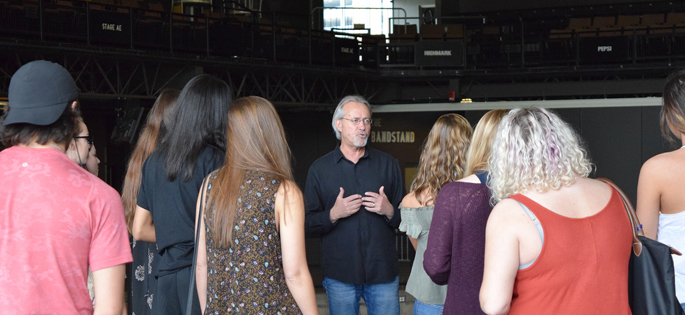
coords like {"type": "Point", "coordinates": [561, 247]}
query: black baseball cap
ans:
{"type": "Point", "coordinates": [39, 92]}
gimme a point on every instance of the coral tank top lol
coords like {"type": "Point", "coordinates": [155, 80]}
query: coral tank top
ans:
{"type": "Point", "coordinates": [582, 267]}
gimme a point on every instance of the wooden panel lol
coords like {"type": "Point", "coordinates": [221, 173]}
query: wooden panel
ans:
{"type": "Point", "coordinates": [628, 20]}
{"type": "Point", "coordinates": [604, 21]}
{"type": "Point", "coordinates": [409, 29]}
{"type": "Point", "coordinates": [579, 23]}
{"type": "Point", "coordinates": [130, 3]}
{"type": "Point", "coordinates": [454, 31]}
{"type": "Point", "coordinates": [432, 31]}
{"type": "Point", "coordinates": [652, 19]}
{"type": "Point", "coordinates": [674, 18]}
{"type": "Point", "coordinates": [609, 31]}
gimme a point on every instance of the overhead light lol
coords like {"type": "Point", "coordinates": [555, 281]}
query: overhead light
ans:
{"type": "Point", "coordinates": [466, 100]}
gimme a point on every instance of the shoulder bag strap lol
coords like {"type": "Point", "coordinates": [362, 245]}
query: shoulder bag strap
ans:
{"type": "Point", "coordinates": [191, 285]}
{"type": "Point", "coordinates": [632, 217]}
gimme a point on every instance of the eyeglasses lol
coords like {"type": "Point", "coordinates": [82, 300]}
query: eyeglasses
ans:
{"type": "Point", "coordinates": [356, 121]}
{"type": "Point", "coordinates": [89, 138]}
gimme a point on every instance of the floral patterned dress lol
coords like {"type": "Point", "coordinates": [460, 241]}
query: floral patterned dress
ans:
{"type": "Point", "coordinates": [248, 278]}
{"type": "Point", "coordinates": [142, 277]}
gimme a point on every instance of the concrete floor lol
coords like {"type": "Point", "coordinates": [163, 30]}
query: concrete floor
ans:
{"type": "Point", "coordinates": [406, 303]}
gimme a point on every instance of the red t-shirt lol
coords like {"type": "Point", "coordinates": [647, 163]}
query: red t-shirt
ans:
{"type": "Point", "coordinates": [56, 219]}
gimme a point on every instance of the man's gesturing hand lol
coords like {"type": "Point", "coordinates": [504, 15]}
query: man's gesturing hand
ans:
{"type": "Point", "coordinates": [345, 207]}
{"type": "Point", "coordinates": [378, 203]}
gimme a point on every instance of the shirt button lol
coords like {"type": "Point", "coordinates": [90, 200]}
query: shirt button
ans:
{"type": "Point", "coordinates": [25, 164]}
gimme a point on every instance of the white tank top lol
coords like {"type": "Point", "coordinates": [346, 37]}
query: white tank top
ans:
{"type": "Point", "coordinates": [672, 232]}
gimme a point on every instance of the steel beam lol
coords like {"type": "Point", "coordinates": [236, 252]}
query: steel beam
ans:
{"type": "Point", "coordinates": [119, 75]}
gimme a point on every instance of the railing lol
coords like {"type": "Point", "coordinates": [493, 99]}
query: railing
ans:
{"type": "Point", "coordinates": [478, 43]}
{"type": "Point", "coordinates": [276, 37]}
{"type": "Point", "coordinates": [520, 45]}
{"type": "Point", "coordinates": [405, 251]}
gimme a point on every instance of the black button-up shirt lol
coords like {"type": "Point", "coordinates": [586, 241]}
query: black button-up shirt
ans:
{"type": "Point", "coordinates": [358, 249]}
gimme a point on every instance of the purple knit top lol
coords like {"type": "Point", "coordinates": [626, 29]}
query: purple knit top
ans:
{"type": "Point", "coordinates": [456, 244]}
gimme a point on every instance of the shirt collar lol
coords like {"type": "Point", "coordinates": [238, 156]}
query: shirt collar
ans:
{"type": "Point", "coordinates": [338, 155]}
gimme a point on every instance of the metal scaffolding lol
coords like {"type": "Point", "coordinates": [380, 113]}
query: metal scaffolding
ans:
{"type": "Point", "coordinates": [125, 74]}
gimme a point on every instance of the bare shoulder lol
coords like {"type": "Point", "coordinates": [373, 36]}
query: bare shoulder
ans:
{"type": "Point", "coordinates": [664, 165]}
{"type": "Point", "coordinates": [288, 188]}
{"type": "Point", "coordinates": [593, 185]}
{"type": "Point", "coordinates": [410, 201]}
{"type": "Point", "coordinates": [657, 161]}
{"type": "Point", "coordinates": [507, 214]}
{"type": "Point", "coordinates": [505, 206]}
{"type": "Point", "coordinates": [667, 159]}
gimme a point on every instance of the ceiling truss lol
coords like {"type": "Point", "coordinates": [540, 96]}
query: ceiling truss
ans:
{"type": "Point", "coordinates": [122, 77]}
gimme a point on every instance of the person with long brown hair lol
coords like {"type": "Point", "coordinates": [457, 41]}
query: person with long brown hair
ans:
{"type": "Point", "coordinates": [193, 146]}
{"type": "Point", "coordinates": [660, 187]}
{"type": "Point", "coordinates": [251, 252]}
{"type": "Point", "coordinates": [147, 141]}
{"type": "Point", "coordinates": [145, 254]}
{"type": "Point", "coordinates": [456, 244]}
{"type": "Point", "coordinates": [442, 161]}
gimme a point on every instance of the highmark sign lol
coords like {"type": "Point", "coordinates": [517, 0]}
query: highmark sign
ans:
{"type": "Point", "coordinates": [392, 137]}
{"type": "Point", "coordinates": [437, 53]}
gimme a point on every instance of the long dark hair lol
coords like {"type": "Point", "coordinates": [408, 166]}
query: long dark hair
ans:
{"type": "Point", "coordinates": [159, 116]}
{"type": "Point", "coordinates": [673, 111]}
{"type": "Point", "coordinates": [198, 121]}
{"type": "Point", "coordinates": [256, 140]}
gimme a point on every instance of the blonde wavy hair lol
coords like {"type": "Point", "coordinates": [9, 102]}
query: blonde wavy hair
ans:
{"type": "Point", "coordinates": [534, 148]}
{"type": "Point", "coordinates": [443, 156]}
{"type": "Point", "coordinates": [481, 142]}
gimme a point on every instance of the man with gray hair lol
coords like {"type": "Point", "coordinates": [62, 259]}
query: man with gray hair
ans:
{"type": "Point", "coordinates": [353, 194]}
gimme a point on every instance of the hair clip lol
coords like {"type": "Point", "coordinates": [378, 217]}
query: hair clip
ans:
{"type": "Point", "coordinates": [639, 227]}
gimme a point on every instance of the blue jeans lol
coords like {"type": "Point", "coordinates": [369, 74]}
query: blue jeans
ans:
{"type": "Point", "coordinates": [427, 309]}
{"type": "Point", "coordinates": [343, 298]}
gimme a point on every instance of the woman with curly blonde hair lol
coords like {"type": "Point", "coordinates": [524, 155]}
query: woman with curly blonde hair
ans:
{"type": "Point", "coordinates": [557, 242]}
{"type": "Point", "coordinates": [455, 246]}
{"type": "Point", "coordinates": [442, 161]}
